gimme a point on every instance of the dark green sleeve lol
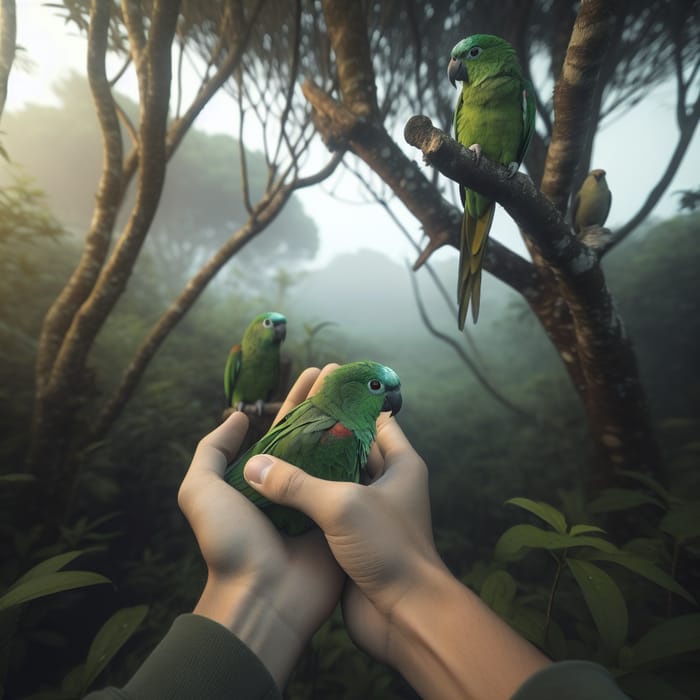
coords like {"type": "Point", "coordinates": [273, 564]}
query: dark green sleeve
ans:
{"type": "Point", "coordinates": [573, 680]}
{"type": "Point", "coordinates": [197, 658]}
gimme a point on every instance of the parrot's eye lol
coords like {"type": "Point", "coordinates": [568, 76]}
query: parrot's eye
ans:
{"type": "Point", "coordinates": [267, 323]}
{"type": "Point", "coordinates": [375, 386]}
{"type": "Point", "coordinates": [474, 52]}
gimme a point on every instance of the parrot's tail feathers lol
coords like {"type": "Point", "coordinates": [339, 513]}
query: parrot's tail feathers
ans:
{"type": "Point", "coordinates": [476, 295]}
{"type": "Point", "coordinates": [473, 240]}
{"type": "Point", "coordinates": [234, 477]}
{"type": "Point", "coordinates": [482, 226]}
{"type": "Point", "coordinates": [472, 291]}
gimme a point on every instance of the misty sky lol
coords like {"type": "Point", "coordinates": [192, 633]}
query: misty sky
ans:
{"type": "Point", "coordinates": [633, 149]}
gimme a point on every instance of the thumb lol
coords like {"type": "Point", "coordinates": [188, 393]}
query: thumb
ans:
{"type": "Point", "coordinates": [283, 483]}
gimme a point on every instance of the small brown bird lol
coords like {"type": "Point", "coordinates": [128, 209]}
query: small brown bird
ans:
{"type": "Point", "coordinates": [591, 204]}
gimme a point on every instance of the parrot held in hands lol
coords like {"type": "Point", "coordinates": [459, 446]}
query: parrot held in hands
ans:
{"type": "Point", "coordinates": [329, 435]}
{"type": "Point", "coordinates": [494, 116]}
{"type": "Point", "coordinates": [591, 204]}
{"type": "Point", "coordinates": [253, 366]}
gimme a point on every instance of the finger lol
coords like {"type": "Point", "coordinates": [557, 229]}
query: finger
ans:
{"type": "Point", "coordinates": [389, 438]}
{"type": "Point", "coordinates": [308, 384]}
{"type": "Point", "coordinates": [375, 464]}
{"type": "Point", "coordinates": [219, 447]}
{"type": "Point", "coordinates": [405, 478]}
{"type": "Point", "coordinates": [327, 369]}
{"type": "Point", "coordinates": [298, 392]}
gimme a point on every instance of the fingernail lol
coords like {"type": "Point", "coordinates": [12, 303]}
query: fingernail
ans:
{"type": "Point", "coordinates": [256, 468]}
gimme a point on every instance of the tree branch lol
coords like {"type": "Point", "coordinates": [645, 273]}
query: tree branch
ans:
{"type": "Point", "coordinates": [615, 399]}
{"type": "Point", "coordinates": [265, 211]}
{"type": "Point", "coordinates": [109, 192]}
{"type": "Point", "coordinates": [573, 95]}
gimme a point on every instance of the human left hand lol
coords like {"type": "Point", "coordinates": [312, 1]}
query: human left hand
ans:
{"type": "Point", "coordinates": [271, 591]}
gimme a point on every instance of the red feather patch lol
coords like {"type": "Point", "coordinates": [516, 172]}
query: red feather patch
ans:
{"type": "Point", "coordinates": [337, 431]}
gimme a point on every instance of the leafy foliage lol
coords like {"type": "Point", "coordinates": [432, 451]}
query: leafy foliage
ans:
{"type": "Point", "coordinates": [554, 619]}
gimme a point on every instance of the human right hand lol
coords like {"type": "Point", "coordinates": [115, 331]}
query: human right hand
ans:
{"type": "Point", "coordinates": [402, 605]}
{"type": "Point", "coordinates": [379, 533]}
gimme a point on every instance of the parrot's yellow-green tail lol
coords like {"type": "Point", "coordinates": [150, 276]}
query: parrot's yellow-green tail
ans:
{"type": "Point", "coordinates": [472, 245]}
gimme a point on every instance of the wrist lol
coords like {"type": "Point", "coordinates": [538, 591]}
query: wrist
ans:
{"type": "Point", "coordinates": [448, 644]}
{"type": "Point", "coordinates": [256, 620]}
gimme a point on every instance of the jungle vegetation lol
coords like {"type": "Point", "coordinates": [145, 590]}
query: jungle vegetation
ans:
{"type": "Point", "coordinates": [134, 249]}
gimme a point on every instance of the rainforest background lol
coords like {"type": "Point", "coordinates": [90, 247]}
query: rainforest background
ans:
{"type": "Point", "coordinates": [135, 248]}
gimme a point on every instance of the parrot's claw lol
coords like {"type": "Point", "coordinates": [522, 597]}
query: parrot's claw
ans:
{"type": "Point", "coordinates": [240, 406]}
{"type": "Point", "coordinates": [513, 168]}
{"type": "Point", "coordinates": [259, 406]}
{"type": "Point", "coordinates": [475, 148]}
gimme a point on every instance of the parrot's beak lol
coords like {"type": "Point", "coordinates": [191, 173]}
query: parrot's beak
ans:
{"type": "Point", "coordinates": [392, 401]}
{"type": "Point", "coordinates": [280, 332]}
{"type": "Point", "coordinates": [457, 71]}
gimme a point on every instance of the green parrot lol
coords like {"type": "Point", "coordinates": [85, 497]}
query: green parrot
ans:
{"type": "Point", "coordinates": [329, 434]}
{"type": "Point", "coordinates": [494, 116]}
{"type": "Point", "coordinates": [253, 366]}
{"type": "Point", "coordinates": [591, 204]}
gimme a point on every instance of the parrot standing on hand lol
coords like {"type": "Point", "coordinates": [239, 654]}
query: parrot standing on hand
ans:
{"type": "Point", "coordinates": [329, 435]}
{"type": "Point", "coordinates": [591, 204]}
{"type": "Point", "coordinates": [253, 366]}
{"type": "Point", "coordinates": [494, 117]}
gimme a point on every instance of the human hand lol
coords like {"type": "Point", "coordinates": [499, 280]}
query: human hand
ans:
{"type": "Point", "coordinates": [271, 591]}
{"type": "Point", "coordinates": [403, 606]}
{"type": "Point", "coordinates": [379, 533]}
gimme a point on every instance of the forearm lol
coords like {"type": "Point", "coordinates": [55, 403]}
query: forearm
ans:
{"type": "Point", "coordinates": [448, 644]}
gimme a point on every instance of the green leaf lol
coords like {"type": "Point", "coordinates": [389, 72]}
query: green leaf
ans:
{"type": "Point", "coordinates": [577, 530]}
{"type": "Point", "coordinates": [614, 499]}
{"type": "Point", "coordinates": [48, 566]}
{"type": "Point", "coordinates": [48, 584]}
{"type": "Point", "coordinates": [110, 639]}
{"type": "Point", "coordinates": [604, 600]}
{"type": "Point", "coordinates": [542, 510]}
{"type": "Point", "coordinates": [678, 635]}
{"type": "Point", "coordinates": [648, 482]}
{"type": "Point", "coordinates": [511, 543]}
{"type": "Point", "coordinates": [682, 521]}
{"type": "Point", "coordinates": [498, 591]}
{"type": "Point", "coordinates": [529, 622]}
{"type": "Point", "coordinates": [644, 568]}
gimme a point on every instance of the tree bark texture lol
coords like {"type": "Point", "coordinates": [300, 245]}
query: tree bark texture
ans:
{"type": "Point", "coordinates": [84, 305]}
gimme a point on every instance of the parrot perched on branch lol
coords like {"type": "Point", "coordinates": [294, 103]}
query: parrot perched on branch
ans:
{"type": "Point", "coordinates": [591, 204]}
{"type": "Point", "coordinates": [253, 366]}
{"type": "Point", "coordinates": [329, 435]}
{"type": "Point", "coordinates": [494, 116]}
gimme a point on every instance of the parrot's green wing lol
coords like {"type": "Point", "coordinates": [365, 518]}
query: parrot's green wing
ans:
{"type": "Point", "coordinates": [308, 438]}
{"type": "Point", "coordinates": [231, 371]}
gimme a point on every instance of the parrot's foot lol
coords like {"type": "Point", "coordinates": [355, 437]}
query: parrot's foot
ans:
{"type": "Point", "coordinates": [476, 149]}
{"type": "Point", "coordinates": [513, 168]}
{"type": "Point", "coordinates": [240, 405]}
{"type": "Point", "coordinates": [259, 406]}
